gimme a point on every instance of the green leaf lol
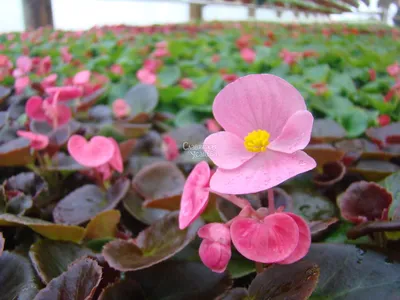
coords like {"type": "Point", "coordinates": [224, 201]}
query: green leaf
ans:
{"type": "Point", "coordinates": [142, 98]}
{"type": "Point", "coordinates": [52, 258]}
{"type": "Point", "coordinates": [169, 75]}
{"type": "Point", "coordinates": [17, 278]}
{"type": "Point", "coordinates": [193, 114]}
{"type": "Point", "coordinates": [203, 94]}
{"type": "Point", "coordinates": [392, 185]}
{"type": "Point", "coordinates": [318, 73]}
{"type": "Point", "coordinates": [343, 83]}
{"type": "Point", "coordinates": [355, 121]}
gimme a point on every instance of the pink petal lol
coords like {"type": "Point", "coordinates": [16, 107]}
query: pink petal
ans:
{"type": "Point", "coordinates": [215, 232]}
{"type": "Point", "coordinates": [257, 102]}
{"type": "Point", "coordinates": [21, 84]}
{"type": "Point", "coordinates": [121, 108]}
{"type": "Point", "coordinates": [146, 77]}
{"type": "Point", "coordinates": [49, 81]}
{"type": "Point", "coordinates": [98, 151]}
{"type": "Point", "coordinates": [116, 161]}
{"type": "Point", "coordinates": [64, 114]}
{"type": "Point", "coordinates": [66, 93]}
{"type": "Point", "coordinates": [269, 241]}
{"type": "Point", "coordinates": [34, 110]}
{"type": "Point", "coordinates": [304, 240]}
{"type": "Point", "coordinates": [170, 148]}
{"type": "Point", "coordinates": [82, 77]}
{"type": "Point", "coordinates": [214, 255]}
{"type": "Point", "coordinates": [38, 141]}
{"type": "Point", "coordinates": [263, 171]}
{"type": "Point", "coordinates": [296, 133]}
{"type": "Point", "coordinates": [195, 194]}
{"type": "Point", "coordinates": [24, 63]}
{"type": "Point", "coordinates": [105, 172]}
{"type": "Point", "coordinates": [226, 150]}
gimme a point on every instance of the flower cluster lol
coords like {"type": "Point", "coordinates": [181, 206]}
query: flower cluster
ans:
{"type": "Point", "coordinates": [266, 127]}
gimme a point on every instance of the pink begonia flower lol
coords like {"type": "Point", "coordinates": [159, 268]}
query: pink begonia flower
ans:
{"type": "Point", "coordinates": [212, 126]}
{"type": "Point", "coordinates": [215, 58]}
{"type": "Point", "coordinates": [49, 110]}
{"type": "Point", "coordinates": [116, 162]}
{"type": "Point", "coordinates": [152, 65]}
{"type": "Point", "coordinates": [266, 126]}
{"type": "Point", "coordinates": [66, 93]}
{"type": "Point", "coordinates": [146, 77]}
{"type": "Point", "coordinates": [94, 153]}
{"type": "Point", "coordinates": [248, 55]}
{"type": "Point", "coordinates": [5, 66]}
{"type": "Point", "coordinates": [290, 58]}
{"type": "Point", "coordinates": [104, 171]}
{"type": "Point", "coordinates": [81, 77]}
{"type": "Point", "coordinates": [195, 194]}
{"type": "Point", "coordinates": [38, 141]}
{"type": "Point", "coordinates": [277, 238]}
{"type": "Point", "coordinates": [160, 52]}
{"type": "Point", "coordinates": [228, 78]}
{"type": "Point", "coordinates": [383, 120]}
{"type": "Point", "coordinates": [162, 44]}
{"type": "Point", "coordinates": [21, 84]}
{"type": "Point", "coordinates": [186, 83]}
{"type": "Point", "coordinates": [170, 148]}
{"type": "Point", "coordinates": [321, 88]}
{"type": "Point", "coordinates": [49, 81]}
{"type": "Point", "coordinates": [117, 69]}
{"type": "Point", "coordinates": [42, 65]}
{"type": "Point", "coordinates": [121, 109]}
{"type": "Point", "coordinates": [24, 64]}
{"type": "Point", "coordinates": [215, 249]}
{"type": "Point", "coordinates": [372, 74]}
{"type": "Point", "coordinates": [393, 70]}
{"type": "Point", "coordinates": [394, 91]}
{"type": "Point", "coordinates": [65, 55]}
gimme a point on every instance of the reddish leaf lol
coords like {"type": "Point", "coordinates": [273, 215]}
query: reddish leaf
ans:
{"type": "Point", "coordinates": [333, 172]}
{"type": "Point", "coordinates": [124, 289]}
{"type": "Point", "coordinates": [78, 283]}
{"type": "Point", "coordinates": [157, 243]}
{"type": "Point", "coordinates": [87, 201]}
{"type": "Point", "coordinates": [389, 134]}
{"type": "Point", "coordinates": [160, 181]}
{"type": "Point", "coordinates": [318, 228]}
{"type": "Point", "coordinates": [364, 201]}
{"type": "Point", "coordinates": [326, 130]}
{"type": "Point", "coordinates": [374, 170]}
{"type": "Point", "coordinates": [324, 153]}
{"type": "Point", "coordinates": [15, 153]}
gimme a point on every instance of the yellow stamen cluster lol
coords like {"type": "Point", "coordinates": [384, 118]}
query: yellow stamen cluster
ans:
{"type": "Point", "coordinates": [257, 141]}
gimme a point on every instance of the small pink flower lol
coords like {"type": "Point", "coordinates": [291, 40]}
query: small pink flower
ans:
{"type": "Point", "coordinates": [44, 66]}
{"type": "Point", "coordinates": [160, 52]}
{"type": "Point", "coordinates": [24, 64]}
{"type": "Point", "coordinates": [162, 45]}
{"type": "Point", "coordinates": [383, 120]}
{"type": "Point", "coordinates": [213, 126]}
{"type": "Point", "coordinates": [248, 55]}
{"type": "Point", "coordinates": [82, 77]}
{"type": "Point", "coordinates": [121, 109]}
{"type": "Point", "coordinates": [49, 110]}
{"type": "Point", "coordinates": [320, 88]}
{"type": "Point", "coordinates": [195, 194]}
{"type": "Point", "coordinates": [65, 55]}
{"type": "Point", "coordinates": [394, 70]}
{"type": "Point", "coordinates": [146, 77]}
{"type": "Point", "coordinates": [49, 81]}
{"type": "Point", "coordinates": [186, 83]}
{"type": "Point", "coordinates": [116, 162]}
{"type": "Point", "coordinates": [215, 58]}
{"type": "Point", "coordinates": [215, 249]}
{"type": "Point", "coordinates": [281, 238]}
{"type": "Point", "coordinates": [290, 58]}
{"type": "Point", "coordinates": [21, 84]}
{"type": "Point", "coordinates": [266, 126]}
{"type": "Point", "coordinates": [152, 65]}
{"type": "Point", "coordinates": [372, 74]}
{"type": "Point", "coordinates": [66, 93]}
{"type": "Point", "coordinates": [104, 171]}
{"type": "Point", "coordinates": [170, 148]}
{"type": "Point", "coordinates": [228, 78]}
{"type": "Point", "coordinates": [117, 69]}
{"type": "Point", "coordinates": [94, 153]}
{"type": "Point", "coordinates": [38, 141]}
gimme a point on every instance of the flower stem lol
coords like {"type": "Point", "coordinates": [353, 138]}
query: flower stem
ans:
{"type": "Point", "coordinates": [242, 203]}
{"type": "Point", "coordinates": [271, 201]}
{"type": "Point", "coordinates": [259, 267]}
